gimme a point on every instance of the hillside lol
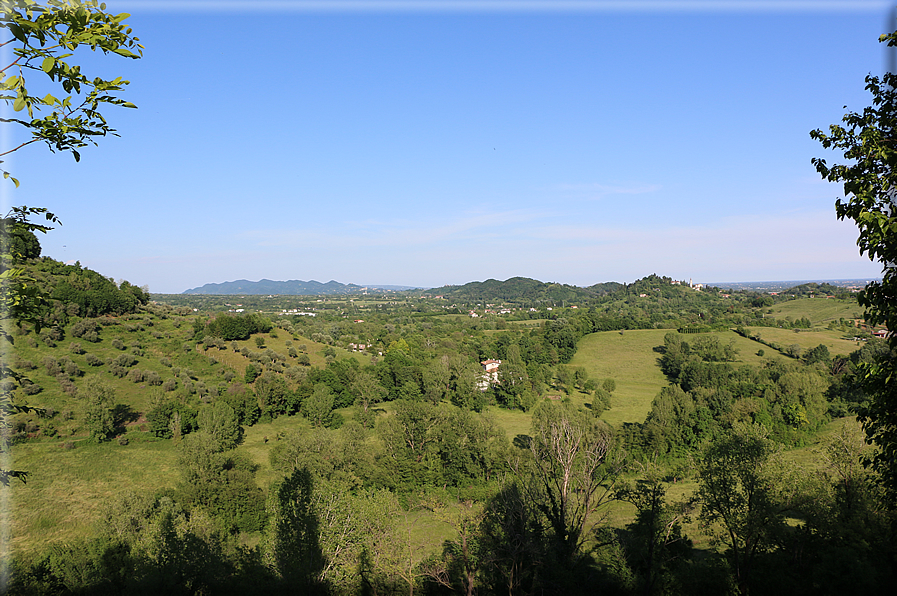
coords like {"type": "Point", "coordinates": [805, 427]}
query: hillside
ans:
{"type": "Point", "coordinates": [204, 414]}
{"type": "Point", "coordinates": [289, 288]}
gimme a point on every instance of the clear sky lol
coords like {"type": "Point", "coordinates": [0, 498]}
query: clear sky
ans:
{"type": "Point", "coordinates": [441, 142]}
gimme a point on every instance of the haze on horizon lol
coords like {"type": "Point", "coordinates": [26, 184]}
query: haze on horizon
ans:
{"type": "Point", "coordinates": [440, 145]}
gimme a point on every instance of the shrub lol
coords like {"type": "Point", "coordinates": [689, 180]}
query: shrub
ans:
{"type": "Point", "coordinates": [86, 329]}
{"type": "Point", "coordinates": [165, 362]}
{"type": "Point", "coordinates": [72, 370]}
{"type": "Point", "coordinates": [68, 387]}
{"type": "Point", "coordinates": [122, 440]}
{"type": "Point", "coordinates": [153, 378]}
{"type": "Point", "coordinates": [52, 365]}
{"type": "Point", "coordinates": [136, 375]}
{"type": "Point", "coordinates": [68, 445]}
{"type": "Point", "coordinates": [126, 360]}
{"type": "Point", "coordinates": [93, 360]}
{"type": "Point", "coordinates": [117, 370]}
{"type": "Point", "coordinates": [251, 373]}
{"type": "Point", "coordinates": [170, 385]}
{"type": "Point", "coordinates": [75, 347]}
{"type": "Point", "coordinates": [45, 337]}
{"type": "Point", "coordinates": [118, 344]}
{"type": "Point", "coordinates": [23, 364]}
{"type": "Point", "coordinates": [31, 388]}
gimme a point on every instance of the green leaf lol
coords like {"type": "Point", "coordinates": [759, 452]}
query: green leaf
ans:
{"type": "Point", "coordinates": [48, 64]}
{"type": "Point", "coordinates": [14, 181]}
{"type": "Point", "coordinates": [19, 104]}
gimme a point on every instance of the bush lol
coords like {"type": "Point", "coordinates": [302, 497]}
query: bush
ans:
{"type": "Point", "coordinates": [45, 337]}
{"type": "Point", "coordinates": [153, 378]}
{"type": "Point", "coordinates": [118, 344]}
{"type": "Point", "coordinates": [75, 348]}
{"type": "Point", "coordinates": [122, 440]}
{"type": "Point", "coordinates": [31, 388]}
{"type": "Point", "coordinates": [251, 373]}
{"type": "Point", "coordinates": [86, 329]}
{"type": "Point", "coordinates": [72, 370]}
{"type": "Point", "coordinates": [126, 360]}
{"type": "Point", "coordinates": [136, 375]}
{"type": "Point", "coordinates": [170, 385]}
{"type": "Point", "coordinates": [93, 360]}
{"type": "Point", "coordinates": [23, 364]}
{"type": "Point", "coordinates": [165, 362]}
{"type": "Point", "coordinates": [68, 387]}
{"type": "Point", "coordinates": [52, 366]}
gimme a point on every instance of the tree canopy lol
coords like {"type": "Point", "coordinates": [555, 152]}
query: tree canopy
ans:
{"type": "Point", "coordinates": [867, 140]}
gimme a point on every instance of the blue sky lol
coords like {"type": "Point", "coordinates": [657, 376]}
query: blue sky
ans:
{"type": "Point", "coordinates": [431, 143]}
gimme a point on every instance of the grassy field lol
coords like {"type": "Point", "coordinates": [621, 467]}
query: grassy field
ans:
{"type": "Point", "coordinates": [68, 489]}
{"type": "Point", "coordinates": [805, 338]}
{"type": "Point", "coordinates": [630, 360]}
{"type": "Point", "coordinates": [820, 311]}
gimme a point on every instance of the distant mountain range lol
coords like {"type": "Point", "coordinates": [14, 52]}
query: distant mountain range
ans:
{"type": "Point", "coordinates": [293, 287]}
{"type": "Point", "coordinates": [515, 288]}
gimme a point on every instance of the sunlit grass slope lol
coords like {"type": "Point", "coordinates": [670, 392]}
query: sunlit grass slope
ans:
{"type": "Point", "coordinates": [820, 311]}
{"type": "Point", "coordinates": [628, 358]}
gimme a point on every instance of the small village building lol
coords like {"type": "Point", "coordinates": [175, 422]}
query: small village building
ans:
{"type": "Point", "coordinates": [490, 374]}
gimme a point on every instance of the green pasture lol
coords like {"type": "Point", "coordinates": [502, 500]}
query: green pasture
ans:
{"type": "Point", "coordinates": [67, 489]}
{"type": "Point", "coordinates": [628, 358]}
{"type": "Point", "coordinates": [820, 311]}
{"type": "Point", "coordinates": [805, 338]}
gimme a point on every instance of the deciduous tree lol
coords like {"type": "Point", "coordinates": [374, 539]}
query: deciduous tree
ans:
{"type": "Point", "coordinates": [868, 140]}
{"type": "Point", "coordinates": [100, 398]}
{"type": "Point", "coordinates": [574, 467]}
